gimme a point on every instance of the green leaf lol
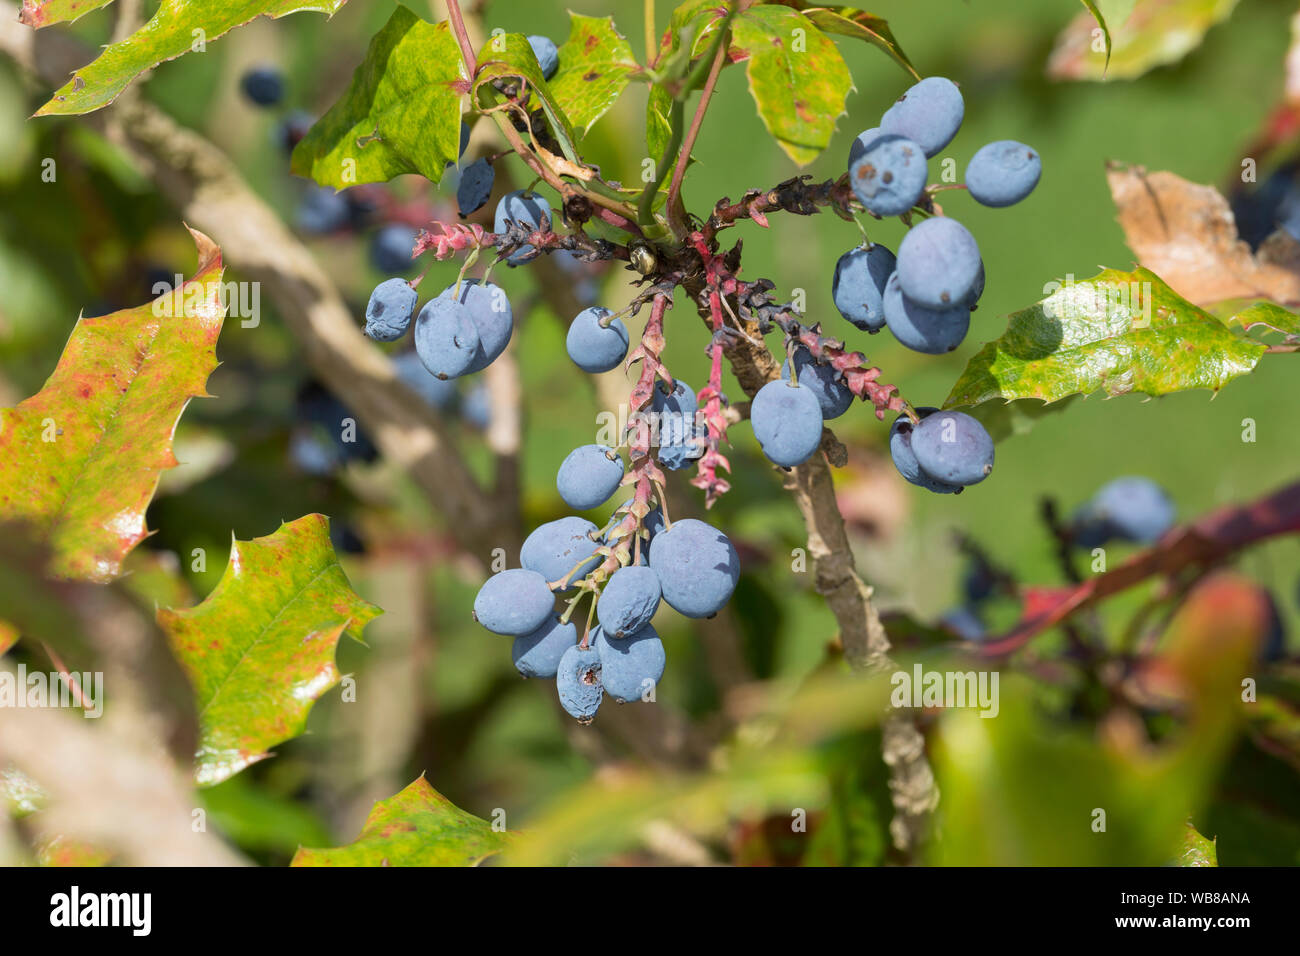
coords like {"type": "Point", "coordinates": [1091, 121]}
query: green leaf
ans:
{"type": "Point", "coordinates": [658, 121]}
{"type": "Point", "coordinates": [177, 28]}
{"type": "Point", "coordinates": [1197, 850]}
{"type": "Point", "coordinates": [858, 24]}
{"type": "Point", "coordinates": [509, 57]}
{"type": "Point", "coordinates": [1119, 332]}
{"type": "Point", "coordinates": [595, 64]}
{"type": "Point", "coordinates": [80, 460]}
{"type": "Point", "coordinates": [400, 115]}
{"type": "Point", "coordinates": [1251, 314]}
{"type": "Point", "coordinates": [796, 75]}
{"type": "Point", "coordinates": [1156, 33]}
{"type": "Point", "coordinates": [1105, 30]}
{"type": "Point", "coordinates": [42, 13]}
{"type": "Point", "coordinates": [417, 827]}
{"type": "Point", "coordinates": [259, 650]}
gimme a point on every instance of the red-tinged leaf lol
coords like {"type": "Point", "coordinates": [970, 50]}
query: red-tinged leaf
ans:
{"type": "Point", "coordinates": [79, 461]}
{"type": "Point", "coordinates": [178, 27]}
{"type": "Point", "coordinates": [8, 636]}
{"type": "Point", "coordinates": [1203, 543]}
{"type": "Point", "coordinates": [42, 13]}
{"type": "Point", "coordinates": [260, 649]}
{"type": "Point", "coordinates": [417, 827]}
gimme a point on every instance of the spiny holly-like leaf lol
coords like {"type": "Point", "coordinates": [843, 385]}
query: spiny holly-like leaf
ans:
{"type": "Point", "coordinates": [1119, 332]}
{"type": "Point", "coordinates": [858, 24]}
{"type": "Point", "coordinates": [595, 63]}
{"type": "Point", "coordinates": [41, 13]}
{"type": "Point", "coordinates": [177, 28]}
{"type": "Point", "coordinates": [260, 649]}
{"type": "Point", "coordinates": [1251, 315]}
{"type": "Point", "coordinates": [80, 459]}
{"type": "Point", "coordinates": [417, 827]}
{"type": "Point", "coordinates": [796, 75]}
{"type": "Point", "coordinates": [1197, 850]}
{"type": "Point", "coordinates": [400, 115]}
{"type": "Point", "coordinates": [508, 58]}
{"type": "Point", "coordinates": [1156, 33]}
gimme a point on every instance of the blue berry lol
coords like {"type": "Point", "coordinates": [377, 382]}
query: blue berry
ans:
{"type": "Point", "coordinates": [677, 429]}
{"type": "Point", "coordinates": [889, 177]}
{"type": "Point", "coordinates": [965, 623]}
{"type": "Point", "coordinates": [628, 601]}
{"type": "Point", "coordinates": [263, 85]}
{"type": "Point", "coordinates": [554, 548]}
{"type": "Point", "coordinates": [932, 331]}
{"type": "Point", "coordinates": [938, 263]}
{"type": "Point", "coordinates": [787, 422]}
{"type": "Point", "coordinates": [833, 396]}
{"type": "Point", "coordinates": [445, 338]}
{"type": "Point", "coordinates": [390, 249]}
{"type": "Point", "coordinates": [577, 681]}
{"type": "Point", "coordinates": [697, 566]}
{"type": "Point", "coordinates": [588, 476]}
{"type": "Point", "coordinates": [929, 114]}
{"type": "Point", "coordinates": [494, 320]}
{"type": "Point", "coordinates": [321, 211]}
{"type": "Point", "coordinates": [548, 57]}
{"type": "Point", "coordinates": [464, 139]}
{"type": "Point", "coordinates": [977, 290]}
{"type": "Point", "coordinates": [389, 311]}
{"type": "Point", "coordinates": [538, 654]}
{"type": "Point", "coordinates": [900, 450]}
{"type": "Point", "coordinates": [514, 602]}
{"type": "Point", "coordinates": [475, 187]}
{"type": "Point", "coordinates": [954, 448]}
{"type": "Point", "coordinates": [528, 209]}
{"type": "Point", "coordinates": [632, 666]}
{"type": "Point", "coordinates": [435, 391]}
{"type": "Point", "coordinates": [860, 143]}
{"type": "Point", "coordinates": [858, 287]}
{"type": "Point", "coordinates": [595, 348]}
{"type": "Point", "coordinates": [1131, 508]}
{"type": "Point", "coordinates": [1003, 173]}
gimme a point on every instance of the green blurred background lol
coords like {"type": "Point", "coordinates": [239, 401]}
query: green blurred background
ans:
{"type": "Point", "coordinates": [456, 708]}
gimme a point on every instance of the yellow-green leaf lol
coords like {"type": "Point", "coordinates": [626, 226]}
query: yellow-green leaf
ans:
{"type": "Point", "coordinates": [1155, 33]}
{"type": "Point", "coordinates": [400, 115]}
{"type": "Point", "coordinates": [595, 63]}
{"type": "Point", "coordinates": [858, 24]}
{"type": "Point", "coordinates": [79, 460]}
{"type": "Point", "coordinates": [42, 13]}
{"type": "Point", "coordinates": [417, 827]}
{"type": "Point", "coordinates": [259, 650]}
{"type": "Point", "coordinates": [179, 27]}
{"type": "Point", "coordinates": [509, 57]}
{"type": "Point", "coordinates": [796, 75]}
{"type": "Point", "coordinates": [1118, 332]}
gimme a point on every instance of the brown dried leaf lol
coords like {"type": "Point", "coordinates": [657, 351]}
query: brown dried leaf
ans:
{"type": "Point", "coordinates": [1185, 233]}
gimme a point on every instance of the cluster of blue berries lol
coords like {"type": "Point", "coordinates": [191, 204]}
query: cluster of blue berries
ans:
{"type": "Point", "coordinates": [924, 295]}
{"type": "Point", "coordinates": [687, 564]}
